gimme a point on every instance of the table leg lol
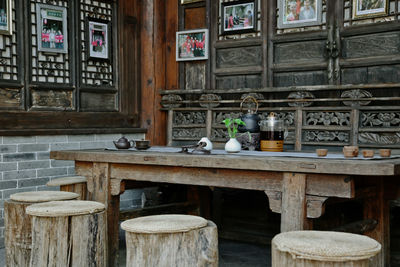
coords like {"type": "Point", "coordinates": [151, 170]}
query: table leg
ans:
{"type": "Point", "coordinates": [294, 206]}
{"type": "Point", "coordinates": [378, 208]}
{"type": "Point", "coordinates": [99, 185]}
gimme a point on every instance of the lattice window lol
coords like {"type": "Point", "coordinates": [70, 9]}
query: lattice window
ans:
{"type": "Point", "coordinates": [95, 72]}
{"type": "Point", "coordinates": [256, 33]}
{"type": "Point", "coordinates": [322, 26]}
{"type": "Point", "coordinates": [49, 67]}
{"type": "Point", "coordinates": [374, 16]}
{"type": "Point", "coordinates": [9, 70]}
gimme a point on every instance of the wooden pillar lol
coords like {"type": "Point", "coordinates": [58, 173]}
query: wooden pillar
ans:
{"type": "Point", "coordinates": [99, 186]}
{"type": "Point", "coordinates": [294, 208]}
{"type": "Point", "coordinates": [377, 208]}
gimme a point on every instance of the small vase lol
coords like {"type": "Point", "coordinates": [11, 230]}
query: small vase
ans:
{"type": "Point", "coordinates": [233, 146]}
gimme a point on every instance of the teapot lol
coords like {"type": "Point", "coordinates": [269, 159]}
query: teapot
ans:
{"type": "Point", "coordinates": [123, 143]}
{"type": "Point", "coordinates": [251, 118]}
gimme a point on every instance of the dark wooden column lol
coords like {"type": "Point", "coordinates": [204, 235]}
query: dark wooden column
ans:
{"type": "Point", "coordinates": [153, 69]}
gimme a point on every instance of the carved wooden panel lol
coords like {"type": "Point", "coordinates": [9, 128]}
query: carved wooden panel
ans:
{"type": "Point", "coordinates": [52, 99]}
{"type": "Point", "coordinates": [305, 51]}
{"type": "Point", "coordinates": [98, 102]}
{"type": "Point", "coordinates": [188, 134]}
{"type": "Point", "coordinates": [383, 44]}
{"type": "Point", "coordinates": [195, 75]}
{"type": "Point", "coordinates": [379, 138]}
{"type": "Point", "coordinates": [327, 118]}
{"type": "Point", "coordinates": [10, 98]}
{"type": "Point", "coordinates": [354, 75]}
{"type": "Point", "coordinates": [384, 74]}
{"type": "Point", "coordinates": [385, 119]}
{"type": "Point", "coordinates": [96, 72]}
{"type": "Point", "coordinates": [239, 57]}
{"type": "Point", "coordinates": [322, 136]}
{"type": "Point", "coordinates": [188, 118]}
{"type": "Point", "coordinates": [238, 81]}
{"type": "Point", "coordinates": [300, 78]}
{"type": "Point", "coordinates": [49, 67]}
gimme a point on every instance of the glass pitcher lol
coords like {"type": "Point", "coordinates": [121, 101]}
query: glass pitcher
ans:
{"type": "Point", "coordinates": [272, 133]}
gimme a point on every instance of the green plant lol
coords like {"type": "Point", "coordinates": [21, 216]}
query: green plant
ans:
{"type": "Point", "coordinates": [232, 126]}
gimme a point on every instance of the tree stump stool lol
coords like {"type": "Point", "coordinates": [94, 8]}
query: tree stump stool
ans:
{"type": "Point", "coordinates": [171, 240]}
{"type": "Point", "coordinates": [76, 184]}
{"type": "Point", "coordinates": [18, 236]}
{"type": "Point", "coordinates": [322, 248]}
{"type": "Point", "coordinates": [68, 233]}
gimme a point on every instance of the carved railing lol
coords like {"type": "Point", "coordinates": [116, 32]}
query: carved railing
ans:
{"type": "Point", "coordinates": [362, 115]}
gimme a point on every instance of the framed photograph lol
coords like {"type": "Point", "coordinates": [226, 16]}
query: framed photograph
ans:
{"type": "Point", "coordinates": [52, 29]}
{"type": "Point", "coordinates": [192, 45]}
{"type": "Point", "coordinates": [299, 13]}
{"type": "Point", "coordinates": [369, 8]}
{"type": "Point", "coordinates": [183, 2]}
{"type": "Point", "coordinates": [5, 17]}
{"type": "Point", "coordinates": [98, 37]}
{"type": "Point", "coordinates": [238, 17]}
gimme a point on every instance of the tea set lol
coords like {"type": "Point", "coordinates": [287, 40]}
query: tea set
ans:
{"type": "Point", "coordinates": [124, 143]}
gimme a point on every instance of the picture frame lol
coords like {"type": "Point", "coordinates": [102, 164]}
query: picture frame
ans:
{"type": "Point", "coordinates": [192, 45]}
{"type": "Point", "coordinates": [369, 8]}
{"type": "Point", "coordinates": [5, 17]}
{"type": "Point", "coordinates": [52, 31]}
{"type": "Point", "coordinates": [98, 39]}
{"type": "Point", "coordinates": [299, 13]}
{"type": "Point", "coordinates": [184, 2]}
{"type": "Point", "coordinates": [238, 17]}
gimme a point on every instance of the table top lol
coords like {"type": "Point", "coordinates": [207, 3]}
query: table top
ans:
{"type": "Point", "coordinates": [244, 160]}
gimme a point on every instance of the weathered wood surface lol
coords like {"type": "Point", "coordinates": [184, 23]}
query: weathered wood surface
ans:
{"type": "Point", "coordinates": [197, 247]}
{"type": "Point", "coordinates": [315, 204]}
{"type": "Point", "coordinates": [18, 236]}
{"type": "Point", "coordinates": [384, 167]}
{"type": "Point", "coordinates": [69, 241]}
{"type": "Point", "coordinates": [294, 206]}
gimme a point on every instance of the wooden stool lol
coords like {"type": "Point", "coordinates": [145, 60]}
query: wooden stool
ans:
{"type": "Point", "coordinates": [171, 240]}
{"type": "Point", "coordinates": [68, 233]}
{"type": "Point", "coordinates": [76, 184]}
{"type": "Point", "coordinates": [18, 236]}
{"type": "Point", "coordinates": [317, 248]}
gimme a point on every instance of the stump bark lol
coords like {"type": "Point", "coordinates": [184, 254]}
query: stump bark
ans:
{"type": "Point", "coordinates": [68, 233]}
{"type": "Point", "coordinates": [18, 224]}
{"type": "Point", "coordinates": [319, 248]}
{"type": "Point", "coordinates": [195, 247]}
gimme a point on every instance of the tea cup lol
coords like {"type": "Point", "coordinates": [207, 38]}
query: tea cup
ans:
{"type": "Point", "coordinates": [321, 152]}
{"type": "Point", "coordinates": [385, 152]}
{"type": "Point", "coordinates": [368, 153]}
{"type": "Point", "coordinates": [142, 144]}
{"type": "Point", "coordinates": [350, 151]}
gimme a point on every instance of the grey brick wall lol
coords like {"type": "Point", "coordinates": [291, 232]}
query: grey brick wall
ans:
{"type": "Point", "coordinates": [25, 164]}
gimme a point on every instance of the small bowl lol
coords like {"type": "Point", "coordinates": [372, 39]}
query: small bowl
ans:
{"type": "Point", "coordinates": [385, 152]}
{"type": "Point", "coordinates": [350, 151]}
{"type": "Point", "coordinates": [321, 152]}
{"type": "Point", "coordinates": [368, 153]}
{"type": "Point", "coordinates": [142, 144]}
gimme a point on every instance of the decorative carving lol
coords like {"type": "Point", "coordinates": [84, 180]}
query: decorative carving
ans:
{"type": "Point", "coordinates": [287, 117]}
{"type": "Point", "coordinates": [192, 133]}
{"type": "Point", "coordinates": [300, 95]}
{"type": "Point", "coordinates": [385, 119]}
{"type": "Point", "coordinates": [167, 99]}
{"type": "Point", "coordinates": [219, 133]}
{"type": "Point", "coordinates": [249, 104]}
{"type": "Point", "coordinates": [326, 136]}
{"type": "Point", "coordinates": [328, 118]}
{"type": "Point", "coordinates": [186, 118]}
{"type": "Point", "coordinates": [253, 144]}
{"type": "Point", "coordinates": [357, 93]}
{"type": "Point", "coordinates": [289, 52]}
{"type": "Point", "coordinates": [209, 100]}
{"type": "Point", "coordinates": [235, 57]}
{"type": "Point", "coordinates": [379, 138]}
{"type": "Point", "coordinates": [220, 116]}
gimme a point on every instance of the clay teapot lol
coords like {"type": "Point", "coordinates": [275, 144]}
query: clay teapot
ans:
{"type": "Point", "coordinates": [123, 143]}
{"type": "Point", "coordinates": [251, 118]}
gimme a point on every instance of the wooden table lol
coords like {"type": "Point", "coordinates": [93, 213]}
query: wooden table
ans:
{"type": "Point", "coordinates": [296, 187]}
